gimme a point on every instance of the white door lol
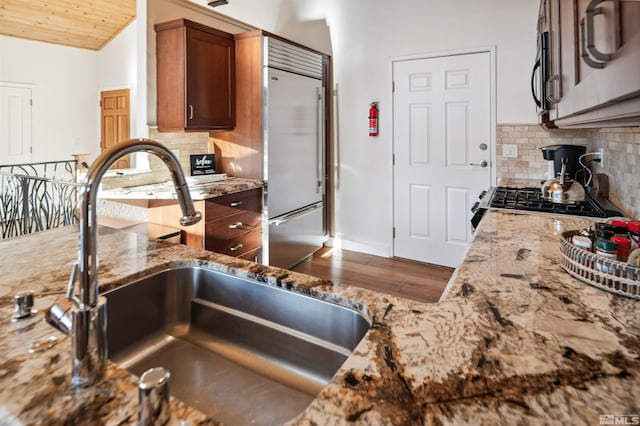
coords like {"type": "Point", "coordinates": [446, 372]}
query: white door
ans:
{"type": "Point", "coordinates": [15, 125]}
{"type": "Point", "coordinates": [441, 139]}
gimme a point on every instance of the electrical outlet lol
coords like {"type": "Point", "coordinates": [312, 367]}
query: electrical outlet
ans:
{"type": "Point", "coordinates": [601, 151]}
{"type": "Point", "coordinates": [510, 151]}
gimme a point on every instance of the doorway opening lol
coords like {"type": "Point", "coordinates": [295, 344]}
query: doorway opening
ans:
{"type": "Point", "coordinates": [115, 122]}
{"type": "Point", "coordinates": [15, 124]}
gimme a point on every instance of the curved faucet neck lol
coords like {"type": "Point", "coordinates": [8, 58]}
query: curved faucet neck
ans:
{"type": "Point", "coordinates": [89, 319]}
{"type": "Point", "coordinates": [88, 247]}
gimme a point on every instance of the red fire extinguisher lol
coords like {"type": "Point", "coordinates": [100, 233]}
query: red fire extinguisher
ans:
{"type": "Point", "coordinates": [373, 119]}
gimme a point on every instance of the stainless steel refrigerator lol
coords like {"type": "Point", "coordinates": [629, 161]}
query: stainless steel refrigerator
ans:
{"type": "Point", "coordinates": [294, 144]}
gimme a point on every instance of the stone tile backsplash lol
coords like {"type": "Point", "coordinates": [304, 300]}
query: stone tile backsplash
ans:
{"type": "Point", "coordinates": [622, 165]}
{"type": "Point", "coordinates": [184, 143]}
{"type": "Point", "coordinates": [622, 156]}
{"type": "Point", "coordinates": [529, 138]}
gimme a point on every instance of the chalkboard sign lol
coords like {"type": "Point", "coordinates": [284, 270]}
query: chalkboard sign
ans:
{"type": "Point", "coordinates": [203, 164]}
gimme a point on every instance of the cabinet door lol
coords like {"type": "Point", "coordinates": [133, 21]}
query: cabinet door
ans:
{"type": "Point", "coordinates": [236, 246]}
{"type": "Point", "coordinates": [600, 54]}
{"type": "Point", "coordinates": [234, 225]}
{"type": "Point", "coordinates": [232, 204]}
{"type": "Point", "coordinates": [210, 81]}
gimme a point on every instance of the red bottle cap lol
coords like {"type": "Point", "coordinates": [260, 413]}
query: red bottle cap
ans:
{"type": "Point", "coordinates": [622, 242]}
{"type": "Point", "coordinates": [619, 223]}
{"type": "Point", "coordinates": [634, 226]}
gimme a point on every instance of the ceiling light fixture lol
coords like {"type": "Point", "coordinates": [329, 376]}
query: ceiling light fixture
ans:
{"type": "Point", "coordinates": [217, 3]}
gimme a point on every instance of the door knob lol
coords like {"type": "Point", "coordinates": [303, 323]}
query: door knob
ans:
{"type": "Point", "coordinates": [483, 163]}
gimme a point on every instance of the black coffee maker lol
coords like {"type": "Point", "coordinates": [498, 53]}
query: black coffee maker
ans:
{"type": "Point", "coordinates": [572, 153]}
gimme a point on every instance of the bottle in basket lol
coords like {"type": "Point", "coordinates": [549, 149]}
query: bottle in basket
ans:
{"type": "Point", "coordinates": [634, 233]}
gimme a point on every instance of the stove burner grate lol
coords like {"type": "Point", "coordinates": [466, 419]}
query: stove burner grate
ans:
{"type": "Point", "coordinates": [531, 199]}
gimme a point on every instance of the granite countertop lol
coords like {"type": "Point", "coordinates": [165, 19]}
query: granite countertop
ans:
{"type": "Point", "coordinates": [515, 341]}
{"type": "Point", "coordinates": [166, 190]}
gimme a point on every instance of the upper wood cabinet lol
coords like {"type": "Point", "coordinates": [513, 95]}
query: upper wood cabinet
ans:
{"type": "Point", "coordinates": [195, 68]}
{"type": "Point", "coordinates": [594, 62]}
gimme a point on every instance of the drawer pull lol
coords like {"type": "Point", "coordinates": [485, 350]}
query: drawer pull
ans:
{"type": "Point", "coordinates": [236, 248]}
{"type": "Point", "coordinates": [236, 204]}
{"type": "Point", "coordinates": [236, 225]}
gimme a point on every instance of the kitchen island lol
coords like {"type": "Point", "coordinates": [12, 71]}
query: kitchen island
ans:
{"type": "Point", "coordinates": [515, 341]}
{"type": "Point", "coordinates": [231, 211]}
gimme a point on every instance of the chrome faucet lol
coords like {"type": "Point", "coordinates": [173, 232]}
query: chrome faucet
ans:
{"type": "Point", "coordinates": [87, 324]}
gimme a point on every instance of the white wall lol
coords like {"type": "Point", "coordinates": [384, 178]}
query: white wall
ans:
{"type": "Point", "coordinates": [64, 95]}
{"type": "Point", "coordinates": [302, 21]}
{"type": "Point", "coordinates": [365, 35]}
{"type": "Point", "coordinates": [364, 45]}
{"type": "Point", "coordinates": [66, 84]}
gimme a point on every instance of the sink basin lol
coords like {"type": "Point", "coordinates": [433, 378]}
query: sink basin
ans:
{"type": "Point", "coordinates": [238, 350]}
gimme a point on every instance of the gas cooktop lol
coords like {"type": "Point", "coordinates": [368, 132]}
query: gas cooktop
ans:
{"type": "Point", "coordinates": [530, 199]}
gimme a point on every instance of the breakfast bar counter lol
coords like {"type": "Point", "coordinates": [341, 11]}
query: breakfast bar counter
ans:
{"type": "Point", "coordinates": [516, 340]}
{"type": "Point", "coordinates": [199, 190]}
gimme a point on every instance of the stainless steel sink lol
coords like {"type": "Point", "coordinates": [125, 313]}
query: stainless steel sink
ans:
{"type": "Point", "coordinates": [238, 350]}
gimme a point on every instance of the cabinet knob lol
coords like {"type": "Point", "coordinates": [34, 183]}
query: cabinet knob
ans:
{"type": "Point", "coordinates": [236, 225]}
{"type": "Point", "coordinates": [237, 247]}
{"type": "Point", "coordinates": [236, 204]}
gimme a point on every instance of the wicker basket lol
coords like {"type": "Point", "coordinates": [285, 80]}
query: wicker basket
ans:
{"type": "Point", "coordinates": [607, 274]}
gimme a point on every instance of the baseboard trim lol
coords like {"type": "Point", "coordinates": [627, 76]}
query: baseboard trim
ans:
{"type": "Point", "coordinates": [367, 248]}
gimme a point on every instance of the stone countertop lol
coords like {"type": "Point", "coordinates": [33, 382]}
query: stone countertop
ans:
{"type": "Point", "coordinates": [165, 190]}
{"type": "Point", "coordinates": [516, 340]}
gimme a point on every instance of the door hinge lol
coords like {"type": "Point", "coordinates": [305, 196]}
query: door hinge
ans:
{"type": "Point", "coordinates": [30, 102]}
{"type": "Point", "coordinates": [393, 86]}
{"type": "Point", "coordinates": [394, 232]}
{"type": "Point", "coordinates": [393, 159]}
{"type": "Point", "coordinates": [30, 150]}
{"type": "Point", "coordinates": [100, 103]}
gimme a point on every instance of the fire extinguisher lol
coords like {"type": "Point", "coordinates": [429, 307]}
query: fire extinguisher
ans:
{"type": "Point", "coordinates": [373, 119]}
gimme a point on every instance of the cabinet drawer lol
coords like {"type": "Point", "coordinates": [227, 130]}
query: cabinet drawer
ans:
{"type": "Point", "coordinates": [231, 226]}
{"type": "Point", "coordinates": [230, 204]}
{"type": "Point", "coordinates": [253, 255]}
{"type": "Point", "coordinates": [236, 246]}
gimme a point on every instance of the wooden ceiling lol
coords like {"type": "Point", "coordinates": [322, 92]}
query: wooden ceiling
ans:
{"type": "Point", "coordinates": [88, 24]}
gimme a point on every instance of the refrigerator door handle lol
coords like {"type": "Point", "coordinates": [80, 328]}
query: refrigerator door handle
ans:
{"type": "Point", "coordinates": [320, 188]}
{"type": "Point", "coordinates": [298, 213]}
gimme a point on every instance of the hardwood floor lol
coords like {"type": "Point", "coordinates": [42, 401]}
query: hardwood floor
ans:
{"type": "Point", "coordinates": [398, 277]}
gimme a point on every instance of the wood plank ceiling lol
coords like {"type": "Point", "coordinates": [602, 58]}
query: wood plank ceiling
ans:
{"type": "Point", "coordinates": [88, 24]}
